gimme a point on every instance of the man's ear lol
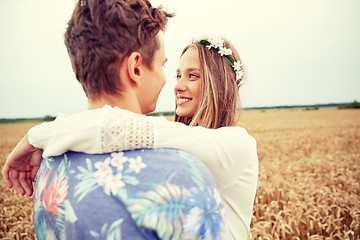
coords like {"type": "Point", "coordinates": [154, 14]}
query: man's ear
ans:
{"type": "Point", "coordinates": [134, 68]}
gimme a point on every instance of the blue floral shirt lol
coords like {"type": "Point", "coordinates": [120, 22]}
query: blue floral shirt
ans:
{"type": "Point", "coordinates": [139, 194]}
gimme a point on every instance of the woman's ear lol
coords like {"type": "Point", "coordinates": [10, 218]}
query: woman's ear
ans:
{"type": "Point", "coordinates": [134, 68]}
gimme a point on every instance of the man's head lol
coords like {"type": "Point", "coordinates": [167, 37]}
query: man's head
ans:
{"type": "Point", "coordinates": [101, 33]}
{"type": "Point", "coordinates": [153, 79]}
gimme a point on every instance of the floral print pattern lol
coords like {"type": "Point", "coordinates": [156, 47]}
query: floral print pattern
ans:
{"type": "Point", "coordinates": [163, 193]}
{"type": "Point", "coordinates": [205, 216]}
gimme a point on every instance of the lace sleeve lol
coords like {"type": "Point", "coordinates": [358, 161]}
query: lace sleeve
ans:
{"type": "Point", "coordinates": [95, 131]}
{"type": "Point", "coordinates": [124, 130]}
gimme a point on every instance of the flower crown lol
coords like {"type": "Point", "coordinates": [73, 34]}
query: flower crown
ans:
{"type": "Point", "coordinates": [218, 45]}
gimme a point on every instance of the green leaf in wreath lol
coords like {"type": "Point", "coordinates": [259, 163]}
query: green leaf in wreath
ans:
{"type": "Point", "coordinates": [204, 42]}
{"type": "Point", "coordinates": [229, 60]}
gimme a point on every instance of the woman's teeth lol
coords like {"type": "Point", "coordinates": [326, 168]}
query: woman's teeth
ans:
{"type": "Point", "coordinates": [183, 100]}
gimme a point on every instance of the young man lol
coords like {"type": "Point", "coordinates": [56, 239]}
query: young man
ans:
{"type": "Point", "coordinates": [117, 54]}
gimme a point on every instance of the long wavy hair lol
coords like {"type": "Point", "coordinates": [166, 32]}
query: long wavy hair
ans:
{"type": "Point", "coordinates": [219, 91]}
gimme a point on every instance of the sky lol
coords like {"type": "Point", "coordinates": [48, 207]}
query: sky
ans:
{"type": "Point", "coordinates": [294, 52]}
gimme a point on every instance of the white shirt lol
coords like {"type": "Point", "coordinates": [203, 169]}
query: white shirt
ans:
{"type": "Point", "coordinates": [228, 152]}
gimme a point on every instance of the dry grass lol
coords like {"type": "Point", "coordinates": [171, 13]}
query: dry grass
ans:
{"type": "Point", "coordinates": [309, 179]}
{"type": "Point", "coordinates": [16, 211]}
{"type": "Point", "coordinates": [309, 174]}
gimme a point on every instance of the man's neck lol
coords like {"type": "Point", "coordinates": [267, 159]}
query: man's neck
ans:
{"type": "Point", "coordinates": [126, 101]}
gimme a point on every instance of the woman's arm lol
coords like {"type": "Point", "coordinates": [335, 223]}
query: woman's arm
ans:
{"type": "Point", "coordinates": [225, 151]}
{"type": "Point", "coordinates": [21, 166]}
{"type": "Point", "coordinates": [95, 131]}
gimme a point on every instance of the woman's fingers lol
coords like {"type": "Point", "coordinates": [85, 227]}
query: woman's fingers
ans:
{"type": "Point", "coordinates": [23, 177]}
{"type": "Point", "coordinates": [30, 183]}
{"type": "Point", "coordinates": [14, 176]}
{"type": "Point", "coordinates": [6, 176]}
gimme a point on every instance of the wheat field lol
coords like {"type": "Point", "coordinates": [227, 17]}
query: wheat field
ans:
{"type": "Point", "coordinates": [309, 176]}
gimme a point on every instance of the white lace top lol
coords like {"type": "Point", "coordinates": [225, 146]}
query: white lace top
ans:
{"type": "Point", "coordinates": [229, 152]}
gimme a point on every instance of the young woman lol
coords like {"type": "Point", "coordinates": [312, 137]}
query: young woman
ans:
{"type": "Point", "coordinates": [207, 98]}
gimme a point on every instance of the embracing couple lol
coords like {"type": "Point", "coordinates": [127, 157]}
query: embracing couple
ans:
{"type": "Point", "coordinates": [112, 172]}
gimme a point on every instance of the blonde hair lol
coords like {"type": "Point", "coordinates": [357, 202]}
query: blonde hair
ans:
{"type": "Point", "coordinates": [219, 90]}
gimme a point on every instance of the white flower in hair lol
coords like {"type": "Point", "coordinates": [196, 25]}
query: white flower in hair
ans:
{"type": "Point", "coordinates": [228, 51]}
{"type": "Point", "coordinates": [211, 40]}
{"type": "Point", "coordinates": [225, 51]}
{"type": "Point", "coordinates": [222, 51]}
{"type": "Point", "coordinates": [216, 42]}
{"type": "Point", "coordinates": [239, 74]}
{"type": "Point", "coordinates": [218, 45]}
{"type": "Point", "coordinates": [237, 66]}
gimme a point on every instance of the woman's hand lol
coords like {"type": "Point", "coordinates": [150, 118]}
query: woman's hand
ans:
{"type": "Point", "coordinates": [21, 167]}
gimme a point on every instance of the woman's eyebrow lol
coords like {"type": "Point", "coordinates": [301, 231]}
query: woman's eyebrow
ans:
{"type": "Point", "coordinates": [189, 69]}
{"type": "Point", "coordinates": [193, 69]}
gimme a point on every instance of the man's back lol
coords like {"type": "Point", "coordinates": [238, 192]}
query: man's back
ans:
{"type": "Point", "coordinates": [140, 194]}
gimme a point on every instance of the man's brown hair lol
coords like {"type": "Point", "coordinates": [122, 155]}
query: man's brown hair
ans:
{"type": "Point", "coordinates": [101, 33]}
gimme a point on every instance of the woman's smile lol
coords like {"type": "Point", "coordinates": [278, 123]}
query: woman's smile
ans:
{"type": "Point", "coordinates": [182, 100]}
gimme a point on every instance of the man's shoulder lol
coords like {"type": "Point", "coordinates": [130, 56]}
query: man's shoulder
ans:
{"type": "Point", "coordinates": [164, 161]}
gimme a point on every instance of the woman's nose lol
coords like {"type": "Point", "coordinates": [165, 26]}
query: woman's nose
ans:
{"type": "Point", "coordinates": [180, 85]}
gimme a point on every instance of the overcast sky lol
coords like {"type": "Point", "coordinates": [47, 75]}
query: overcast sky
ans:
{"type": "Point", "coordinates": [295, 52]}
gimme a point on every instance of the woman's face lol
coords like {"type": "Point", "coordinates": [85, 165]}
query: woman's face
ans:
{"type": "Point", "coordinates": [187, 89]}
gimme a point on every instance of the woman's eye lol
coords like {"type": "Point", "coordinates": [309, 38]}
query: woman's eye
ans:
{"type": "Point", "coordinates": [178, 76]}
{"type": "Point", "coordinates": [193, 76]}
